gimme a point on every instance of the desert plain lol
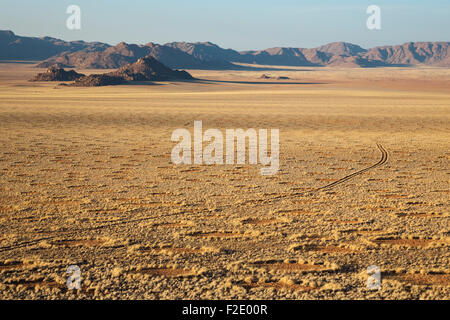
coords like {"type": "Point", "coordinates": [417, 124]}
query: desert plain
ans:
{"type": "Point", "coordinates": [86, 179]}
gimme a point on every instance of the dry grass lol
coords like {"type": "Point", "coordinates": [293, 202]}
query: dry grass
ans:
{"type": "Point", "coordinates": [86, 178]}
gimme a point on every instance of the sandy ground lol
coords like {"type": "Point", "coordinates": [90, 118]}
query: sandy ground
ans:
{"type": "Point", "coordinates": [86, 179]}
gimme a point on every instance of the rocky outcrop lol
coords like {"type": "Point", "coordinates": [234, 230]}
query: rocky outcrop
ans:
{"type": "Point", "coordinates": [57, 74]}
{"type": "Point", "coordinates": [99, 80]}
{"type": "Point", "coordinates": [145, 69]}
{"type": "Point", "coordinates": [149, 69]}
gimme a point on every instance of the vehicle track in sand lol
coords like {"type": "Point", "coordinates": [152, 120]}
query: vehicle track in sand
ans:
{"type": "Point", "coordinates": [383, 160]}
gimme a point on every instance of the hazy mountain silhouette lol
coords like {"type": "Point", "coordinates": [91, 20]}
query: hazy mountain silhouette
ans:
{"type": "Point", "coordinates": [207, 52]}
{"type": "Point", "coordinates": [413, 53]}
{"type": "Point", "coordinates": [13, 47]}
{"type": "Point", "coordinates": [123, 53]}
{"type": "Point", "coordinates": [341, 48]}
{"type": "Point", "coordinates": [276, 56]}
{"type": "Point", "coordinates": [336, 54]}
{"type": "Point", "coordinates": [177, 58]}
{"type": "Point", "coordinates": [207, 55]}
{"type": "Point", "coordinates": [111, 58]}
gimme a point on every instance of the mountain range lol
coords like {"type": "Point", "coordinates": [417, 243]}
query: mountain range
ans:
{"type": "Point", "coordinates": [13, 47]}
{"type": "Point", "coordinates": [207, 55]}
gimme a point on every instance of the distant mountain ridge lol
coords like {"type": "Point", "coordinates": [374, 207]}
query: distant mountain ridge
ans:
{"type": "Point", "coordinates": [413, 53]}
{"type": "Point", "coordinates": [13, 47]}
{"type": "Point", "coordinates": [207, 55]}
{"type": "Point", "coordinates": [123, 53]}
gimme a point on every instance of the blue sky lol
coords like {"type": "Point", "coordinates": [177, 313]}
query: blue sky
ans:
{"type": "Point", "coordinates": [237, 24]}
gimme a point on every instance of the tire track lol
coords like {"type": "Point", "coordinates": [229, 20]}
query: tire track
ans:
{"type": "Point", "coordinates": [383, 160]}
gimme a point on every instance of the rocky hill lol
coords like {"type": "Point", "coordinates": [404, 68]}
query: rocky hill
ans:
{"type": "Point", "coordinates": [144, 69]}
{"type": "Point", "coordinates": [149, 69]}
{"type": "Point", "coordinates": [98, 80]}
{"type": "Point", "coordinates": [57, 74]}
